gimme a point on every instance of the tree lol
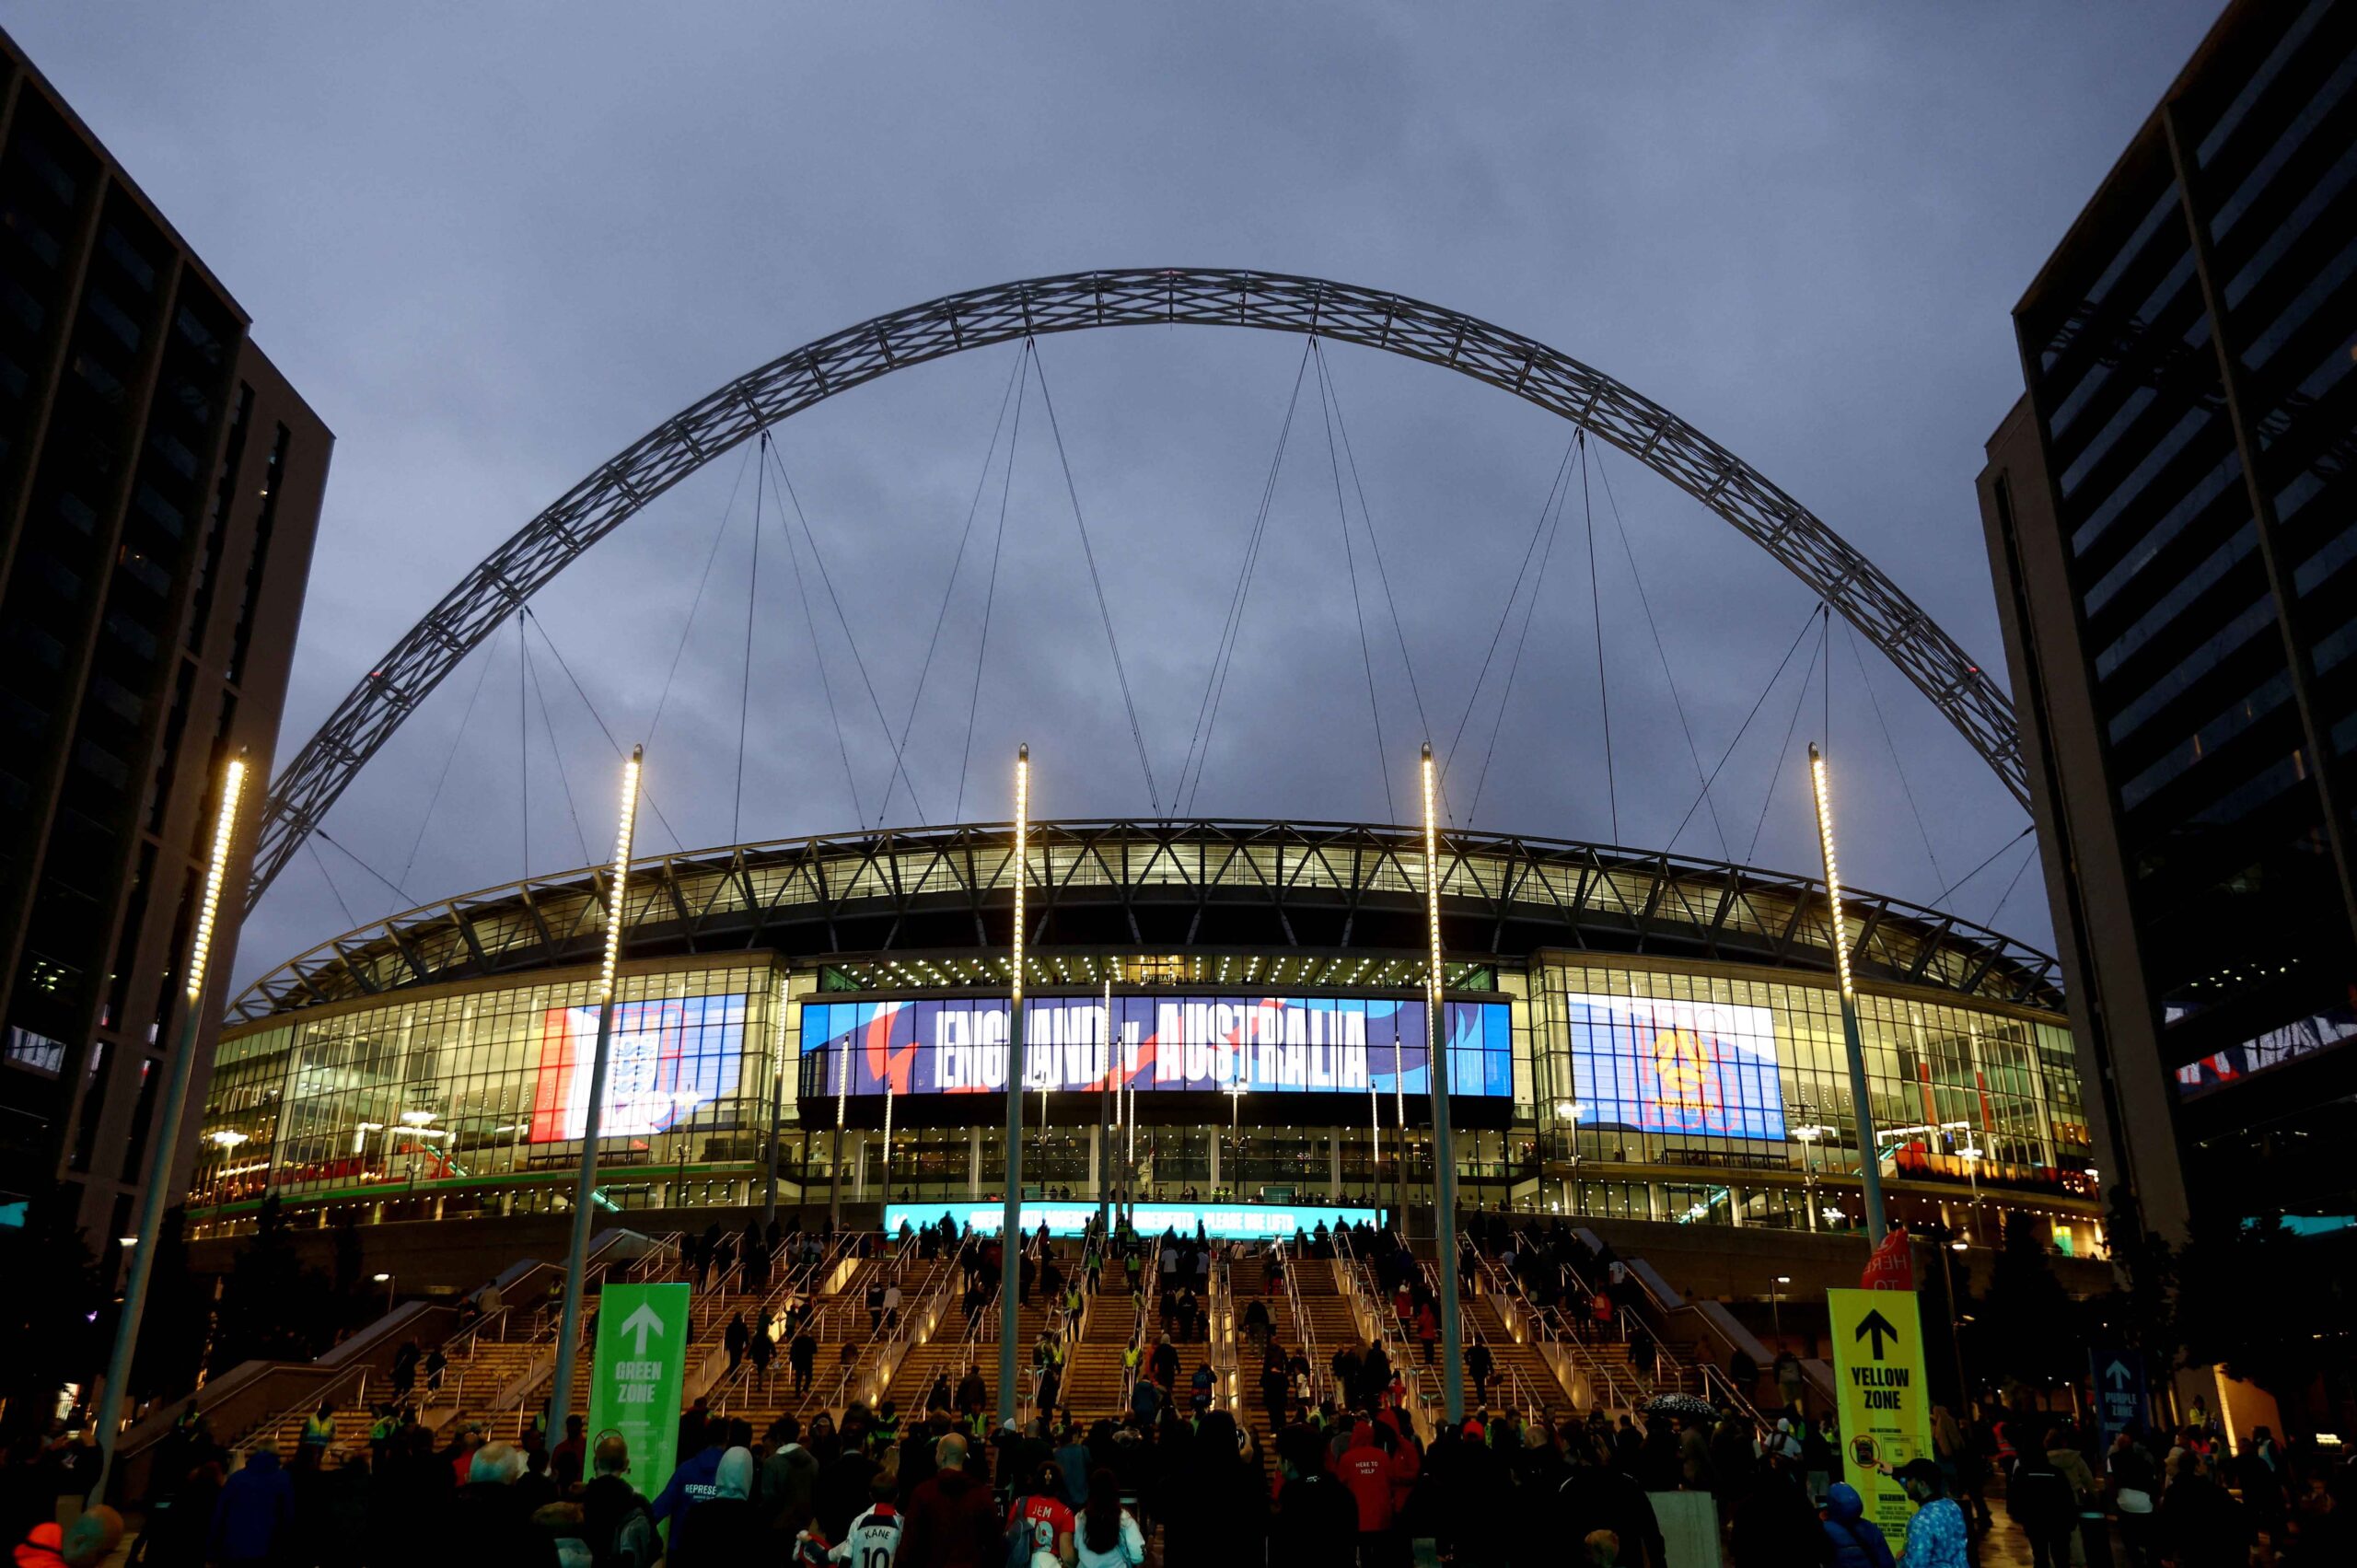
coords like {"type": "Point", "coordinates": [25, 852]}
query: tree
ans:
{"type": "Point", "coordinates": [271, 1307]}
{"type": "Point", "coordinates": [2028, 1327]}
{"type": "Point", "coordinates": [49, 1313]}
{"type": "Point", "coordinates": [177, 1317]}
{"type": "Point", "coordinates": [2261, 1301]}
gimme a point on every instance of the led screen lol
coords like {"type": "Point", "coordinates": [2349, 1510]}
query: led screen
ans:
{"type": "Point", "coordinates": [666, 1059]}
{"type": "Point", "coordinates": [1657, 1066]}
{"type": "Point", "coordinates": [1235, 1221]}
{"type": "Point", "coordinates": [1271, 1044]}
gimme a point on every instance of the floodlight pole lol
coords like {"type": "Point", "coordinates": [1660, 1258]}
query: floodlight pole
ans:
{"type": "Point", "coordinates": [1103, 1130]}
{"type": "Point", "coordinates": [777, 1100]}
{"type": "Point", "coordinates": [1010, 1225]}
{"type": "Point", "coordinates": [1869, 1152]}
{"type": "Point", "coordinates": [1444, 1142]}
{"type": "Point", "coordinates": [164, 1141]}
{"type": "Point", "coordinates": [585, 1185]}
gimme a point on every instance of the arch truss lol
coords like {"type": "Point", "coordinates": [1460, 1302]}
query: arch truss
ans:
{"type": "Point", "coordinates": [369, 713]}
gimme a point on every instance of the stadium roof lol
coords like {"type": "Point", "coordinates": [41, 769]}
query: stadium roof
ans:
{"type": "Point", "coordinates": [1191, 884]}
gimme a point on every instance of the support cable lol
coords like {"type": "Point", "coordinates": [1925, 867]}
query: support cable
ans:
{"type": "Point", "coordinates": [1529, 613]}
{"type": "Point", "coordinates": [1595, 612]}
{"type": "Point", "coordinates": [645, 793]}
{"type": "Point", "coordinates": [827, 579]}
{"type": "Point", "coordinates": [956, 561]}
{"type": "Point", "coordinates": [1104, 613]}
{"type": "Point", "coordinates": [697, 603]}
{"type": "Point", "coordinates": [1199, 743]}
{"type": "Point", "coordinates": [826, 685]}
{"type": "Point", "coordinates": [989, 591]}
{"type": "Point", "coordinates": [1350, 561]}
{"type": "Point", "coordinates": [1799, 699]}
{"type": "Point", "coordinates": [350, 923]}
{"type": "Point", "coordinates": [1739, 734]}
{"type": "Point", "coordinates": [1866, 678]}
{"type": "Point", "coordinates": [444, 776]}
{"type": "Point", "coordinates": [1383, 576]}
{"type": "Point", "coordinates": [1644, 601]}
{"type": "Point", "coordinates": [2006, 897]}
{"type": "Point", "coordinates": [398, 891]}
{"type": "Point", "coordinates": [1939, 900]}
{"type": "Point", "coordinates": [1506, 613]}
{"type": "Point", "coordinates": [744, 683]}
{"type": "Point", "coordinates": [548, 727]}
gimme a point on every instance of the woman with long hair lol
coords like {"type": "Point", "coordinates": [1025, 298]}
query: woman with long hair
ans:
{"type": "Point", "coordinates": [1109, 1536]}
{"type": "Point", "coordinates": [1217, 1508]}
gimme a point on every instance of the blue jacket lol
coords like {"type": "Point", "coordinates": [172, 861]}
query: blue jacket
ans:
{"type": "Point", "coordinates": [257, 1505]}
{"type": "Point", "coordinates": [690, 1484]}
{"type": "Point", "coordinates": [1856, 1543]}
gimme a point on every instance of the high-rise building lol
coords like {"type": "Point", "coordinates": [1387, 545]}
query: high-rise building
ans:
{"type": "Point", "coordinates": [160, 490]}
{"type": "Point", "coordinates": [2172, 521]}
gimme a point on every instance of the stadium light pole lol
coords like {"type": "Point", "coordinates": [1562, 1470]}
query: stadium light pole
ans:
{"type": "Point", "coordinates": [1010, 1224]}
{"type": "Point", "coordinates": [1104, 1127]}
{"type": "Point", "coordinates": [1452, 1340]}
{"type": "Point", "coordinates": [777, 1100]}
{"type": "Point", "coordinates": [167, 1137]}
{"type": "Point", "coordinates": [1869, 1157]}
{"type": "Point", "coordinates": [585, 1185]}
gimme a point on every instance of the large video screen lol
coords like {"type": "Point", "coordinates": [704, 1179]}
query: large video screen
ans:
{"type": "Point", "coordinates": [1232, 1222]}
{"type": "Point", "coordinates": [1261, 1044]}
{"type": "Point", "coordinates": [666, 1059]}
{"type": "Point", "coordinates": [1662, 1067]}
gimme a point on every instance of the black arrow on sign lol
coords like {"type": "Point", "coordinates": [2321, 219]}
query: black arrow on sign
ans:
{"type": "Point", "coordinates": [1879, 1327]}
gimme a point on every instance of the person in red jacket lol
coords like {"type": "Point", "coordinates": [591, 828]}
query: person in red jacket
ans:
{"type": "Point", "coordinates": [1371, 1471]}
{"type": "Point", "coordinates": [953, 1520]}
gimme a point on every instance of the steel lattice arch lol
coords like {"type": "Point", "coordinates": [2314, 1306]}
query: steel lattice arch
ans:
{"type": "Point", "coordinates": [368, 715]}
{"type": "Point", "coordinates": [1200, 885]}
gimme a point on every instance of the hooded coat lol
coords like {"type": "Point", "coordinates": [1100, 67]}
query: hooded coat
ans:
{"type": "Point", "coordinates": [1856, 1544]}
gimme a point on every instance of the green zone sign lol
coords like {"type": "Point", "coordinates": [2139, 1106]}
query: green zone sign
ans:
{"type": "Point", "coordinates": [1886, 1411]}
{"type": "Point", "coordinates": [638, 1368]}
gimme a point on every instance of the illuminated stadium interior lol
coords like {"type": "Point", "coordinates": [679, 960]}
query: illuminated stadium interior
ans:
{"type": "Point", "coordinates": [1629, 1036]}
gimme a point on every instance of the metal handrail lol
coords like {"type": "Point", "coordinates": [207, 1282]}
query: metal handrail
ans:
{"type": "Point", "coordinates": [1376, 1309]}
{"type": "Point", "coordinates": [320, 1394]}
{"type": "Point", "coordinates": [1225, 1384]}
{"type": "Point", "coordinates": [1302, 1326]}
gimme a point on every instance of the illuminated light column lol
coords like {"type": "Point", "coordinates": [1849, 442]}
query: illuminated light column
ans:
{"type": "Point", "coordinates": [167, 1137]}
{"type": "Point", "coordinates": [1452, 1365]}
{"type": "Point", "coordinates": [1010, 1224]}
{"type": "Point", "coordinates": [585, 1186]}
{"type": "Point", "coordinates": [1862, 1107]}
{"type": "Point", "coordinates": [887, 1132]}
{"type": "Point", "coordinates": [1104, 1125]}
{"type": "Point", "coordinates": [777, 1100]}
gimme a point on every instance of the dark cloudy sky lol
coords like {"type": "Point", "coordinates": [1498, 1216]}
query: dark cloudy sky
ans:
{"type": "Point", "coordinates": [494, 243]}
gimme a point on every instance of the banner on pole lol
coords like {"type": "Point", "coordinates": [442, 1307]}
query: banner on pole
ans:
{"type": "Point", "coordinates": [637, 1372]}
{"type": "Point", "coordinates": [1892, 1266]}
{"type": "Point", "coordinates": [1886, 1409]}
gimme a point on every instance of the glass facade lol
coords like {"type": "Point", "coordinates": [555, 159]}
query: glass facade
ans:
{"type": "Point", "coordinates": [1652, 1071]}
{"type": "Point", "coordinates": [1678, 1093]}
{"type": "Point", "coordinates": [487, 1090]}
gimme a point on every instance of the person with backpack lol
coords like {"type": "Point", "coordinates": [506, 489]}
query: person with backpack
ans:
{"type": "Point", "coordinates": [1040, 1522]}
{"type": "Point", "coordinates": [2044, 1504]}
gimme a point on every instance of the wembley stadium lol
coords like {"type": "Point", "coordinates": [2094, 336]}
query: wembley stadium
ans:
{"type": "Point", "coordinates": [1217, 1012]}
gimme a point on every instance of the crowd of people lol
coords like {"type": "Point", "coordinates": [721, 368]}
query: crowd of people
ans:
{"type": "Point", "coordinates": [1340, 1473]}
